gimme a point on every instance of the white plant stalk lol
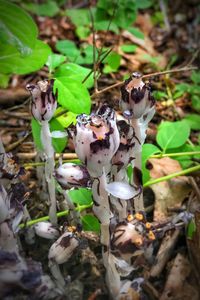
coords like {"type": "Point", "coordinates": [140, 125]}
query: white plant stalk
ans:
{"type": "Point", "coordinates": [49, 169]}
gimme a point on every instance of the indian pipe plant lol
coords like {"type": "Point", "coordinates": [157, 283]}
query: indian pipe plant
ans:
{"type": "Point", "coordinates": [105, 146]}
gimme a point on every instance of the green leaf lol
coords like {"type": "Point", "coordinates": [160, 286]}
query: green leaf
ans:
{"type": "Point", "coordinates": [81, 196]}
{"type": "Point", "coordinates": [106, 25]}
{"type": "Point", "coordinates": [195, 77]}
{"type": "Point", "coordinates": [128, 48]}
{"type": "Point", "coordinates": [66, 119]}
{"type": "Point", "coordinates": [58, 144]}
{"type": "Point", "coordinates": [196, 102]}
{"type": "Point", "coordinates": [76, 72]}
{"type": "Point", "coordinates": [49, 8]}
{"type": "Point", "coordinates": [90, 223]}
{"type": "Point", "coordinates": [159, 95]}
{"type": "Point", "coordinates": [17, 28]}
{"type": "Point", "coordinates": [79, 17]}
{"type": "Point", "coordinates": [12, 62]}
{"type": "Point", "coordinates": [147, 151]}
{"type": "Point", "coordinates": [142, 4]}
{"type": "Point", "coordinates": [136, 32]}
{"type": "Point", "coordinates": [172, 134]}
{"type": "Point", "coordinates": [72, 95]}
{"type": "Point", "coordinates": [82, 32]}
{"type": "Point", "coordinates": [4, 80]}
{"type": "Point", "coordinates": [191, 229]}
{"type": "Point", "coordinates": [113, 60]}
{"type": "Point", "coordinates": [54, 60]}
{"type": "Point", "coordinates": [69, 49]}
{"type": "Point", "coordinates": [193, 121]}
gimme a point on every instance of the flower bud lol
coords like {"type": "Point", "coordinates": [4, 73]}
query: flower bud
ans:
{"type": "Point", "coordinates": [71, 175]}
{"type": "Point", "coordinates": [63, 248]}
{"type": "Point", "coordinates": [46, 230]}
{"type": "Point", "coordinates": [127, 239]}
{"type": "Point", "coordinates": [136, 97]}
{"type": "Point", "coordinates": [43, 103]}
{"type": "Point", "coordinates": [96, 140]}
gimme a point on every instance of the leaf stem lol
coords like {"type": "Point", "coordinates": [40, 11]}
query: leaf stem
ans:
{"type": "Point", "coordinates": [191, 153]}
{"type": "Point", "coordinates": [170, 176]}
{"type": "Point", "coordinates": [59, 214]}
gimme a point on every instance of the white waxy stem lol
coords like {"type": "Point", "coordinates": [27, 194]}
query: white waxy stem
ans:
{"type": "Point", "coordinates": [4, 205]}
{"type": "Point", "coordinates": [63, 248]}
{"type": "Point", "coordinates": [58, 134]}
{"type": "Point", "coordinates": [46, 230]}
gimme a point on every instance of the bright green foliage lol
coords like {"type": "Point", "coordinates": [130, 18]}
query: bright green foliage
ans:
{"type": "Point", "coordinates": [147, 151]}
{"type": "Point", "coordinates": [90, 223]}
{"type": "Point", "coordinates": [65, 119]}
{"type": "Point", "coordinates": [112, 62]}
{"type": "Point", "coordinates": [72, 95]}
{"type": "Point", "coordinates": [76, 72]}
{"type": "Point", "coordinates": [193, 121]}
{"type": "Point", "coordinates": [20, 51]}
{"type": "Point", "coordinates": [4, 79]}
{"type": "Point", "coordinates": [172, 134]}
{"type": "Point", "coordinates": [81, 196]}
{"type": "Point", "coordinates": [12, 62]}
{"type": "Point", "coordinates": [17, 28]}
{"type": "Point", "coordinates": [49, 8]}
{"type": "Point", "coordinates": [128, 48]}
{"type": "Point", "coordinates": [59, 144]}
{"type": "Point", "coordinates": [136, 32]}
{"type": "Point", "coordinates": [55, 60]}
{"type": "Point", "coordinates": [191, 229]}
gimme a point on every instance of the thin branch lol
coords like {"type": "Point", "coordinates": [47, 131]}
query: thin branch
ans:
{"type": "Point", "coordinates": [118, 84]}
{"type": "Point", "coordinates": [191, 153]}
{"type": "Point", "coordinates": [170, 176]}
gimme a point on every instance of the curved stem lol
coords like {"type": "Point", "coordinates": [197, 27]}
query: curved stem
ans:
{"type": "Point", "coordinates": [190, 153]}
{"type": "Point", "coordinates": [170, 176]}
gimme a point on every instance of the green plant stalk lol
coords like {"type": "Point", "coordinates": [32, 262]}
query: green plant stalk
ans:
{"type": "Point", "coordinates": [170, 176]}
{"type": "Point", "coordinates": [59, 214]}
{"type": "Point", "coordinates": [191, 153]}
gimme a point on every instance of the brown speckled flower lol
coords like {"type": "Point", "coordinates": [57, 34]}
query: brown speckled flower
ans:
{"type": "Point", "coordinates": [136, 97]}
{"type": "Point", "coordinates": [96, 140]}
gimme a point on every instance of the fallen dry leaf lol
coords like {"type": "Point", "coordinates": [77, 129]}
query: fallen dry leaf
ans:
{"type": "Point", "coordinates": [169, 193]}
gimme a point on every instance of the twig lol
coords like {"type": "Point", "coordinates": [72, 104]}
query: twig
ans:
{"type": "Point", "coordinates": [32, 155]}
{"type": "Point", "coordinates": [118, 84]}
{"type": "Point", "coordinates": [164, 253]}
{"type": "Point", "coordinates": [16, 144]}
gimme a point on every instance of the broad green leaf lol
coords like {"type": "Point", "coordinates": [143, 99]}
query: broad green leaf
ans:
{"type": "Point", "coordinates": [17, 28]}
{"type": "Point", "coordinates": [82, 32]}
{"type": "Point", "coordinates": [49, 8]}
{"type": "Point", "coordinates": [74, 71]}
{"type": "Point", "coordinates": [12, 62]}
{"type": "Point", "coordinates": [106, 25]}
{"type": "Point", "coordinates": [81, 196]}
{"type": "Point", "coordinates": [72, 95]}
{"type": "Point", "coordinates": [66, 119]}
{"type": "Point", "coordinates": [195, 77]}
{"type": "Point", "coordinates": [58, 144]}
{"type": "Point", "coordinates": [136, 32]}
{"type": "Point", "coordinates": [112, 62]}
{"type": "Point", "coordinates": [128, 48]}
{"type": "Point", "coordinates": [79, 17]}
{"type": "Point", "coordinates": [172, 134]}
{"type": "Point", "coordinates": [147, 151]}
{"type": "Point", "coordinates": [196, 102]}
{"type": "Point", "coordinates": [90, 223]}
{"type": "Point", "coordinates": [159, 95]}
{"type": "Point", "coordinates": [193, 121]}
{"type": "Point", "coordinates": [69, 49]}
{"type": "Point", "coordinates": [142, 4]}
{"type": "Point", "coordinates": [55, 60]}
{"type": "Point", "coordinates": [4, 79]}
